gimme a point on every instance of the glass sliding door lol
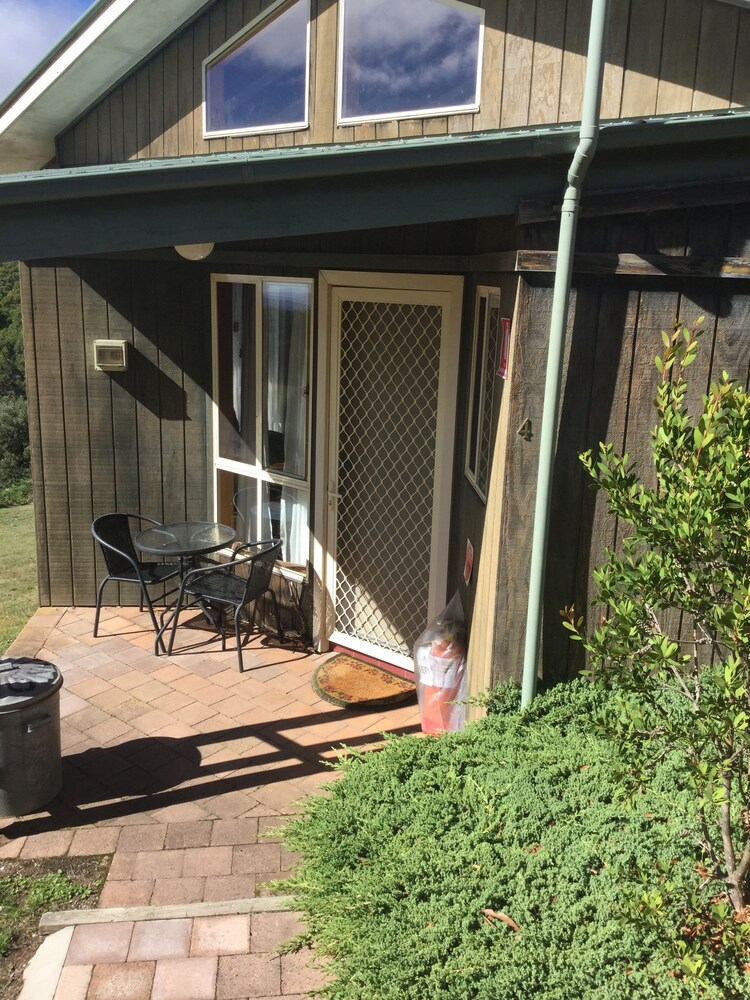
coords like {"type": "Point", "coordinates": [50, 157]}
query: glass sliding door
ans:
{"type": "Point", "coordinates": [262, 329]}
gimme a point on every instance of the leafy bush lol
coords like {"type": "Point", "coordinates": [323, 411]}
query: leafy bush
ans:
{"type": "Point", "coordinates": [423, 859]}
{"type": "Point", "coordinates": [17, 494]}
{"type": "Point", "coordinates": [14, 431]}
{"type": "Point", "coordinates": [12, 379]}
{"type": "Point", "coordinates": [678, 598]}
{"type": "Point", "coordinates": [14, 440]}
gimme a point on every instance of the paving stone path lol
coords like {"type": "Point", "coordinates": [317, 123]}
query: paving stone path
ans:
{"type": "Point", "coordinates": [182, 768]}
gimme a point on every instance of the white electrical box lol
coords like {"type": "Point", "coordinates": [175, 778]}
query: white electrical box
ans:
{"type": "Point", "coordinates": [111, 355]}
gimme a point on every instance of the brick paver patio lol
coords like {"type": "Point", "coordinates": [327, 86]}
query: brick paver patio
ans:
{"type": "Point", "coordinates": [181, 768]}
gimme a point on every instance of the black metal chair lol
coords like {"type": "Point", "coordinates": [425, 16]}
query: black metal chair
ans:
{"type": "Point", "coordinates": [235, 584]}
{"type": "Point", "coordinates": [114, 535]}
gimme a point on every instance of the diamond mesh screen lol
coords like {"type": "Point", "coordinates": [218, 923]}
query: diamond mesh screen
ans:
{"type": "Point", "coordinates": [390, 358]}
{"type": "Point", "coordinates": [491, 357]}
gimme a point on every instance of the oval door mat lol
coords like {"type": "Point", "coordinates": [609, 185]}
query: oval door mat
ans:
{"type": "Point", "coordinates": [351, 683]}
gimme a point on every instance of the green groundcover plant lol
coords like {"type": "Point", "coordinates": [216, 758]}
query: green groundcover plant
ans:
{"type": "Point", "coordinates": [501, 862]}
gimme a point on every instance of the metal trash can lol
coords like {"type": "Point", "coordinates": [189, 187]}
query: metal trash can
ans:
{"type": "Point", "coordinates": [30, 766]}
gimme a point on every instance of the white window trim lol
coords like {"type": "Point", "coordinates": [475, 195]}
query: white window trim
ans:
{"type": "Point", "coordinates": [391, 116]}
{"type": "Point", "coordinates": [232, 43]}
{"type": "Point", "coordinates": [257, 472]}
{"type": "Point", "coordinates": [488, 292]}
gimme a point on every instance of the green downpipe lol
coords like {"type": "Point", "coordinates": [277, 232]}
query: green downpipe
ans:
{"type": "Point", "coordinates": [588, 138]}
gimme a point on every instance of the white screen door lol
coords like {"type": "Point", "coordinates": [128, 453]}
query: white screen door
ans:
{"type": "Point", "coordinates": [393, 364]}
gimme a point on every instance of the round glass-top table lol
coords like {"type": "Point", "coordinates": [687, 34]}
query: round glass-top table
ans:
{"type": "Point", "coordinates": [184, 538]}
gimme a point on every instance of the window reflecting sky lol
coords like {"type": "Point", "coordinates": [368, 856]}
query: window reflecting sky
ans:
{"type": "Point", "coordinates": [408, 56]}
{"type": "Point", "coordinates": [262, 82]}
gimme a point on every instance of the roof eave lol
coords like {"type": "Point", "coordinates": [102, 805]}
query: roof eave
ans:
{"type": "Point", "coordinates": [101, 48]}
{"type": "Point", "coordinates": [310, 162]}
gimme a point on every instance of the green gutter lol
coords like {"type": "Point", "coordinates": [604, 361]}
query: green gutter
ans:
{"type": "Point", "coordinates": [309, 162]}
{"type": "Point", "coordinates": [592, 93]}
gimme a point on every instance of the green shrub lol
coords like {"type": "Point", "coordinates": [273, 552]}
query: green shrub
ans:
{"type": "Point", "coordinates": [678, 600]}
{"type": "Point", "coordinates": [17, 494]}
{"type": "Point", "coordinates": [14, 440]}
{"type": "Point", "coordinates": [416, 856]}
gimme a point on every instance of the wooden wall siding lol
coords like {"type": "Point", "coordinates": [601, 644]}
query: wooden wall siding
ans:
{"type": "Point", "coordinates": [713, 231]}
{"type": "Point", "coordinates": [609, 385]}
{"type": "Point", "coordinates": [136, 441]}
{"type": "Point", "coordinates": [662, 56]}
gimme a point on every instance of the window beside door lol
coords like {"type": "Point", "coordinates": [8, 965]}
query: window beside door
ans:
{"type": "Point", "coordinates": [262, 329]}
{"type": "Point", "coordinates": [488, 331]}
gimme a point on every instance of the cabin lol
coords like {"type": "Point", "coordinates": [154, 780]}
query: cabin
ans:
{"type": "Point", "coordinates": [288, 265]}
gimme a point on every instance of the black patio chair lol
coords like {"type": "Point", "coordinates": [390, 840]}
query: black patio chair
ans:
{"type": "Point", "coordinates": [114, 535]}
{"type": "Point", "coordinates": [232, 585]}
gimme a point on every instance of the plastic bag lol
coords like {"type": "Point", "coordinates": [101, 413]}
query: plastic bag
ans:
{"type": "Point", "coordinates": [440, 671]}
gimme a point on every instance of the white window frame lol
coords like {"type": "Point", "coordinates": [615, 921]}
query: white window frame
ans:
{"type": "Point", "coordinates": [391, 116]}
{"type": "Point", "coordinates": [233, 43]}
{"type": "Point", "coordinates": [480, 342]}
{"type": "Point", "coordinates": [257, 472]}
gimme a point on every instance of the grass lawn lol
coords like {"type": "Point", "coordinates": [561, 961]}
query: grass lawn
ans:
{"type": "Point", "coordinates": [18, 587]}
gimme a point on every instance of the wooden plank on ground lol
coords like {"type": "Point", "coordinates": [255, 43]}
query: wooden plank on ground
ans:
{"type": "Point", "coordinates": [55, 921]}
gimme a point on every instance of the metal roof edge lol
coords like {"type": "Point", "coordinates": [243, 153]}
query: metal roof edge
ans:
{"type": "Point", "coordinates": [307, 162]}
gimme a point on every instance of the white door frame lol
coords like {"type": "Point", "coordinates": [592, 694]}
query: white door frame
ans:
{"type": "Point", "coordinates": [448, 291]}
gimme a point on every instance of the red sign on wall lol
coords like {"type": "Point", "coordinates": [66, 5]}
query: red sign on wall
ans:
{"type": "Point", "coordinates": [502, 368]}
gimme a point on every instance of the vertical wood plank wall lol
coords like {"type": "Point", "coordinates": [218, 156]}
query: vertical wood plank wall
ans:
{"type": "Point", "coordinates": [135, 441]}
{"type": "Point", "coordinates": [609, 383]}
{"type": "Point", "coordinates": [663, 56]}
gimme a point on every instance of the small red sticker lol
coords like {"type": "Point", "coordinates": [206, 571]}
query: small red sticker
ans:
{"type": "Point", "coordinates": [468, 562]}
{"type": "Point", "coordinates": [502, 368]}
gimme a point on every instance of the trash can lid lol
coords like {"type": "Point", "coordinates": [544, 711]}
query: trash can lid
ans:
{"type": "Point", "coordinates": [24, 681]}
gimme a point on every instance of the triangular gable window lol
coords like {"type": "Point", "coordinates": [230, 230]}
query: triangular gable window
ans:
{"type": "Point", "coordinates": [258, 80]}
{"type": "Point", "coordinates": [406, 58]}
